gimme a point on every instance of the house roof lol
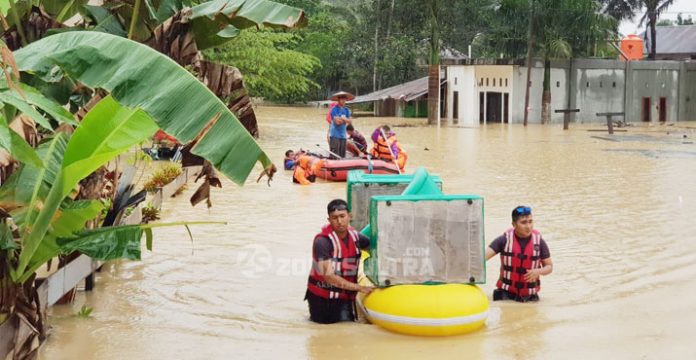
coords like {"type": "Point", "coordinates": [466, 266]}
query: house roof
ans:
{"type": "Point", "coordinates": [680, 39]}
{"type": "Point", "coordinates": [407, 91]}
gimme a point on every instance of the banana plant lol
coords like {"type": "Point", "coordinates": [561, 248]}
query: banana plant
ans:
{"type": "Point", "coordinates": [147, 91]}
{"type": "Point", "coordinates": [177, 28]}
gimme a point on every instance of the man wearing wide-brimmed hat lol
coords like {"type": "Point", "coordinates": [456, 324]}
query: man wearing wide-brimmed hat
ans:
{"type": "Point", "coordinates": [340, 117]}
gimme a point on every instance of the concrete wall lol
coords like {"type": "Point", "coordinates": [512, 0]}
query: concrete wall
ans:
{"type": "Point", "coordinates": [687, 92]}
{"type": "Point", "coordinates": [591, 85]}
{"type": "Point", "coordinates": [462, 80]}
{"type": "Point", "coordinates": [653, 80]}
{"type": "Point", "coordinates": [598, 86]}
{"type": "Point", "coordinates": [559, 92]}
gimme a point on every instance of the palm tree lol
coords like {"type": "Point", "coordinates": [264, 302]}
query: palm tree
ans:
{"type": "Point", "coordinates": [552, 48]}
{"type": "Point", "coordinates": [627, 9]}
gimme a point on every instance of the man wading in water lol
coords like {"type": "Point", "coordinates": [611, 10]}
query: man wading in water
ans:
{"type": "Point", "coordinates": [524, 257]}
{"type": "Point", "coordinates": [332, 283]}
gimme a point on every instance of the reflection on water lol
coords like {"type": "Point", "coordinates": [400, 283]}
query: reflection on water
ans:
{"type": "Point", "coordinates": [620, 226]}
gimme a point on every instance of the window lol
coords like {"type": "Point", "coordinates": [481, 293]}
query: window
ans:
{"type": "Point", "coordinates": [486, 81]}
{"type": "Point", "coordinates": [500, 81]}
{"type": "Point", "coordinates": [600, 84]}
{"type": "Point", "coordinates": [493, 82]}
{"type": "Point", "coordinates": [588, 84]}
{"type": "Point", "coordinates": [455, 80]}
{"type": "Point", "coordinates": [558, 84]}
{"type": "Point", "coordinates": [481, 83]}
{"type": "Point", "coordinates": [613, 84]}
{"type": "Point", "coordinates": [506, 84]}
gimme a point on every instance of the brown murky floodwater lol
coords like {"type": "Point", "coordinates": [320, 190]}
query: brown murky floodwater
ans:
{"type": "Point", "coordinates": [619, 217]}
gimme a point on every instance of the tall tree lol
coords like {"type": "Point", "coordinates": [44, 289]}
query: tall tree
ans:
{"type": "Point", "coordinates": [560, 28]}
{"type": "Point", "coordinates": [273, 70]}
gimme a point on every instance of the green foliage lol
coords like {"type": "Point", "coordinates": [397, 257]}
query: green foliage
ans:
{"type": "Point", "coordinates": [558, 26]}
{"type": "Point", "coordinates": [665, 22]}
{"type": "Point", "coordinates": [271, 68]}
{"type": "Point", "coordinates": [122, 64]}
{"type": "Point", "coordinates": [85, 312]}
{"type": "Point", "coordinates": [684, 21]}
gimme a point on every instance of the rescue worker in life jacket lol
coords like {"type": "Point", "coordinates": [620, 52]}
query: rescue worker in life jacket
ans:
{"type": "Point", "coordinates": [303, 174]}
{"type": "Point", "coordinates": [524, 258]}
{"type": "Point", "coordinates": [332, 283]}
{"type": "Point", "coordinates": [384, 148]}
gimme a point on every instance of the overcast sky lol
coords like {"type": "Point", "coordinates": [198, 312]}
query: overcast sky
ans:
{"type": "Point", "coordinates": [686, 7]}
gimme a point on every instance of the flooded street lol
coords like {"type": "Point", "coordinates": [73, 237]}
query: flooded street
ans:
{"type": "Point", "coordinates": [619, 218]}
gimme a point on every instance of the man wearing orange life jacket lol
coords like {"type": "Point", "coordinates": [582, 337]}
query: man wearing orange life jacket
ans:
{"type": "Point", "coordinates": [524, 258]}
{"type": "Point", "coordinates": [332, 283]}
{"type": "Point", "coordinates": [381, 147]}
{"type": "Point", "coordinates": [303, 174]}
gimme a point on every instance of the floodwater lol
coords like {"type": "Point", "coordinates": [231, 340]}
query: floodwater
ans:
{"type": "Point", "coordinates": [619, 218]}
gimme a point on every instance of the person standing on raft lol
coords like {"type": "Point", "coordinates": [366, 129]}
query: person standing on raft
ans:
{"type": "Point", "coordinates": [340, 117]}
{"type": "Point", "coordinates": [332, 283]}
{"type": "Point", "coordinates": [524, 258]}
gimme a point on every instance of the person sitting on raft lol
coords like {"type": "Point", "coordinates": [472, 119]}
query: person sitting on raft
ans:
{"type": "Point", "coordinates": [381, 147]}
{"type": "Point", "coordinates": [303, 174]}
{"type": "Point", "coordinates": [524, 257]}
{"type": "Point", "coordinates": [357, 144]}
{"type": "Point", "coordinates": [332, 283]}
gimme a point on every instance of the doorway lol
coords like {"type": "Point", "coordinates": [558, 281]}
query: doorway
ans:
{"type": "Point", "coordinates": [455, 105]}
{"type": "Point", "coordinates": [663, 109]}
{"type": "Point", "coordinates": [494, 109]}
{"type": "Point", "coordinates": [506, 107]}
{"type": "Point", "coordinates": [482, 106]}
{"type": "Point", "coordinates": [646, 110]}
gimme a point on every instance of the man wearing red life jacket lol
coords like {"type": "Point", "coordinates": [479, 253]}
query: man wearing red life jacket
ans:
{"type": "Point", "coordinates": [524, 258]}
{"type": "Point", "coordinates": [332, 283]}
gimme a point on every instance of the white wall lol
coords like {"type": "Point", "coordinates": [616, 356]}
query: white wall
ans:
{"type": "Point", "coordinates": [461, 79]}
{"type": "Point", "coordinates": [469, 81]}
{"type": "Point", "coordinates": [495, 78]}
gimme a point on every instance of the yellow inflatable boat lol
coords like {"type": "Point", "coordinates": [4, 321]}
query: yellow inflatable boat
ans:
{"type": "Point", "coordinates": [428, 310]}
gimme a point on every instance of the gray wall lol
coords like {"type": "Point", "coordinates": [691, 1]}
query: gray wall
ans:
{"type": "Point", "coordinates": [653, 80]}
{"type": "Point", "coordinates": [559, 91]}
{"type": "Point", "coordinates": [598, 85]}
{"type": "Point", "coordinates": [687, 92]}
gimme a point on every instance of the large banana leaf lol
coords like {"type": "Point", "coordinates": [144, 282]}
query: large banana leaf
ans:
{"type": "Point", "coordinates": [115, 242]}
{"type": "Point", "coordinates": [140, 77]}
{"type": "Point", "coordinates": [107, 243]}
{"type": "Point", "coordinates": [215, 22]}
{"type": "Point", "coordinates": [70, 219]}
{"type": "Point", "coordinates": [106, 131]}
